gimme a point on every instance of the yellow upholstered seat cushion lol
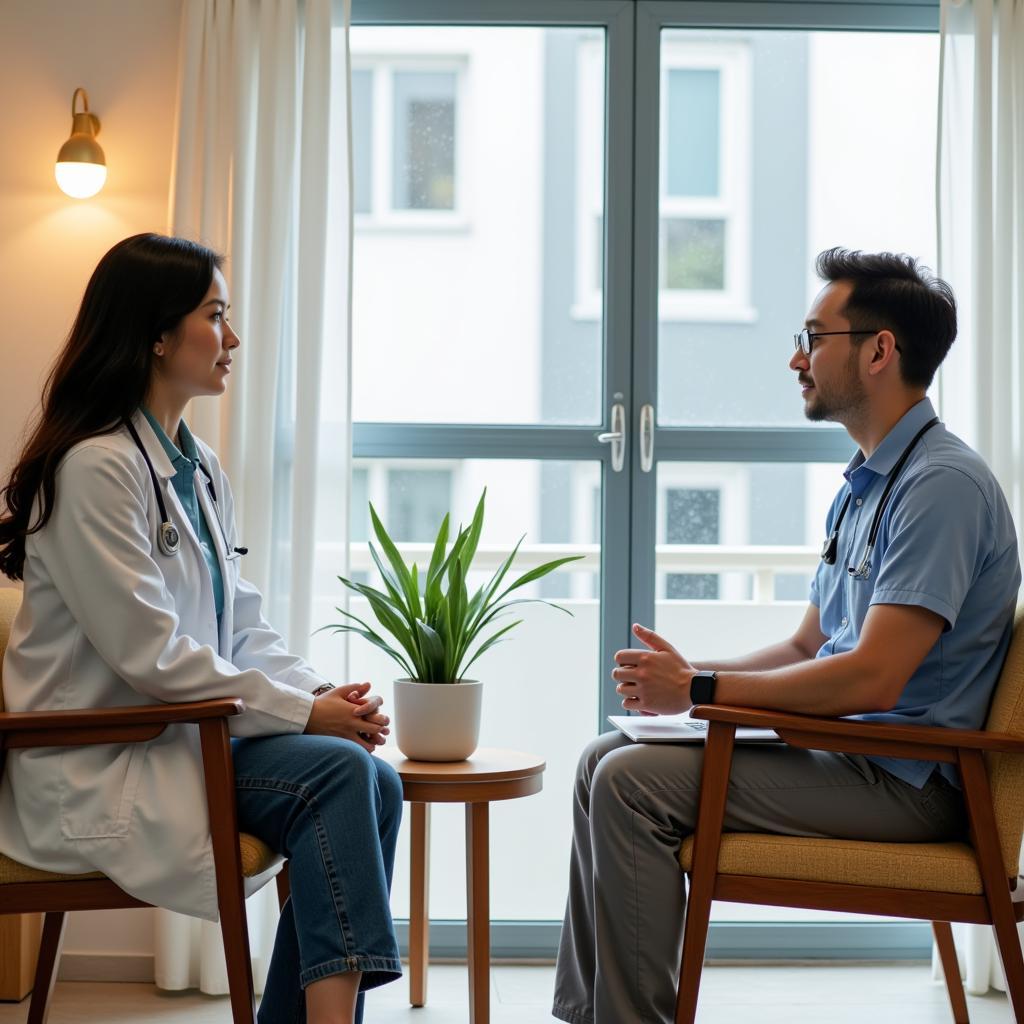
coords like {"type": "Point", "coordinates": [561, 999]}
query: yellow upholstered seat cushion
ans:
{"type": "Point", "coordinates": [256, 858]}
{"type": "Point", "coordinates": [256, 855]}
{"type": "Point", "coordinates": [937, 867]}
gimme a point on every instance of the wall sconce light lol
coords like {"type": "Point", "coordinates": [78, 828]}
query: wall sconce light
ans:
{"type": "Point", "coordinates": [81, 166]}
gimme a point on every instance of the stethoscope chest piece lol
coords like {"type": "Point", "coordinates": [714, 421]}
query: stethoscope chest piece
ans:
{"type": "Point", "coordinates": [168, 539]}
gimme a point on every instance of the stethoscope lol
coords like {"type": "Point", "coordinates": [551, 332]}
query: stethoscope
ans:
{"type": "Point", "coordinates": [168, 539]}
{"type": "Point", "coordinates": [830, 548]}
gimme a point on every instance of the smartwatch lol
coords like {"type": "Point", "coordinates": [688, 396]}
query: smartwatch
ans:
{"type": "Point", "coordinates": [702, 688]}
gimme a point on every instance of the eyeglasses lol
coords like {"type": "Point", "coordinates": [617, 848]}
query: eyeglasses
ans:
{"type": "Point", "coordinates": [804, 341]}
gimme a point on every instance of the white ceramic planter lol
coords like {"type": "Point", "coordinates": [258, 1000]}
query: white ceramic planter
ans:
{"type": "Point", "coordinates": [437, 721]}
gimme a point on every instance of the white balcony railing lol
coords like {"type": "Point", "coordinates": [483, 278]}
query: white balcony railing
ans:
{"type": "Point", "coordinates": [762, 562]}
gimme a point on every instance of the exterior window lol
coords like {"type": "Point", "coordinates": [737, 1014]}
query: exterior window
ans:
{"type": "Point", "coordinates": [704, 205]}
{"type": "Point", "coordinates": [705, 181]}
{"type": "Point", "coordinates": [692, 517]}
{"type": "Point", "coordinates": [410, 500]}
{"type": "Point", "coordinates": [418, 499]}
{"type": "Point", "coordinates": [406, 141]}
{"type": "Point", "coordinates": [424, 140]}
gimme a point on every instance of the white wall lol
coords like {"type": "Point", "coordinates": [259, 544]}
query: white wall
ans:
{"type": "Point", "coordinates": [124, 54]}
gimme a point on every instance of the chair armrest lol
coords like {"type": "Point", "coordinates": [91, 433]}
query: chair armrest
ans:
{"type": "Point", "coordinates": [855, 737]}
{"type": "Point", "coordinates": [81, 726]}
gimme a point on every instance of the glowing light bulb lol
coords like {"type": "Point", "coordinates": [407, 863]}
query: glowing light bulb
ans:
{"type": "Point", "coordinates": [79, 180]}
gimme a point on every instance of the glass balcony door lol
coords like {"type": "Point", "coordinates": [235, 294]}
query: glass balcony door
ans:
{"type": "Point", "coordinates": [576, 219]}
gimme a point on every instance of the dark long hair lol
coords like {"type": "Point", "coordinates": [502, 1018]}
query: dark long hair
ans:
{"type": "Point", "coordinates": [143, 287]}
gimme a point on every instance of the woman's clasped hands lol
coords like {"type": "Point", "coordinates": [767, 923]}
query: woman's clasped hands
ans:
{"type": "Point", "coordinates": [347, 711]}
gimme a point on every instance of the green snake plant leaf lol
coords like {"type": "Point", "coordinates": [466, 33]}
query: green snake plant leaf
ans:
{"type": "Point", "coordinates": [386, 616]}
{"type": "Point", "coordinates": [368, 634]}
{"type": "Point", "coordinates": [395, 591]}
{"type": "Point", "coordinates": [433, 653]}
{"type": "Point", "coordinates": [468, 552]}
{"type": "Point", "coordinates": [538, 572]}
{"type": "Point", "coordinates": [402, 573]}
{"type": "Point", "coordinates": [437, 557]}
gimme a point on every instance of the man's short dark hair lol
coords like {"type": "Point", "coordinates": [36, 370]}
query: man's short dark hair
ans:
{"type": "Point", "coordinates": [892, 292]}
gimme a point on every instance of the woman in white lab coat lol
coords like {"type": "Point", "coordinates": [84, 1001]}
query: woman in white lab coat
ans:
{"type": "Point", "coordinates": [121, 525]}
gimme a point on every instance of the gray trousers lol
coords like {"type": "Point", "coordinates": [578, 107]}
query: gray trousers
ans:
{"type": "Point", "coordinates": [618, 962]}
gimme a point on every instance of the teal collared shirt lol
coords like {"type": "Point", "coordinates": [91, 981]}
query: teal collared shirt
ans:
{"type": "Point", "coordinates": [946, 542]}
{"type": "Point", "coordinates": [186, 465]}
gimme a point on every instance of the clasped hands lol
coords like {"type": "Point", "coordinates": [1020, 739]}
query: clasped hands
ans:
{"type": "Point", "coordinates": [348, 712]}
{"type": "Point", "coordinates": [655, 681]}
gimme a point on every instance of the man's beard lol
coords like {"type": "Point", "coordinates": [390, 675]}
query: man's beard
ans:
{"type": "Point", "coordinates": [840, 401]}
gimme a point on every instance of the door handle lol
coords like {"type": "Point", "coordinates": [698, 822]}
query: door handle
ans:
{"type": "Point", "coordinates": [616, 437]}
{"type": "Point", "coordinates": [647, 438]}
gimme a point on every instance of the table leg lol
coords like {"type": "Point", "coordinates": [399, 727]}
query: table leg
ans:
{"type": "Point", "coordinates": [419, 913]}
{"type": "Point", "coordinates": [478, 913]}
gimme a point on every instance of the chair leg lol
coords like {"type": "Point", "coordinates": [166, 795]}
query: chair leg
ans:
{"type": "Point", "coordinates": [1004, 926]}
{"type": "Point", "coordinates": [284, 887]}
{"type": "Point", "coordinates": [220, 798]}
{"type": "Point", "coordinates": [695, 937]}
{"type": "Point", "coordinates": [46, 966]}
{"type": "Point", "coordinates": [707, 840]}
{"type": "Point", "coordinates": [951, 969]}
{"type": "Point", "coordinates": [985, 839]}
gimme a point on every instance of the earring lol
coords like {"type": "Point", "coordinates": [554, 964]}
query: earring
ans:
{"type": "Point", "coordinates": [158, 350]}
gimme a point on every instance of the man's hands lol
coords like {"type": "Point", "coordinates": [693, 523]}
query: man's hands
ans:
{"type": "Point", "coordinates": [347, 712]}
{"type": "Point", "coordinates": [655, 681]}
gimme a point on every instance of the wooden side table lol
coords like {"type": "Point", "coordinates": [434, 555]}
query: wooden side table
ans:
{"type": "Point", "coordinates": [488, 775]}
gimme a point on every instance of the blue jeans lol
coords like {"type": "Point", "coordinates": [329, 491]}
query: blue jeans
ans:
{"type": "Point", "coordinates": [333, 810]}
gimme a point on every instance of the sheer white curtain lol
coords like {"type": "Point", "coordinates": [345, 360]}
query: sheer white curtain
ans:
{"type": "Point", "coordinates": [981, 253]}
{"type": "Point", "coordinates": [262, 174]}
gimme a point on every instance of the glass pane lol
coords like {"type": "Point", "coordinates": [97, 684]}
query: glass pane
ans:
{"type": "Point", "coordinates": [483, 250]}
{"type": "Point", "coordinates": [694, 254]}
{"type": "Point", "coordinates": [692, 132]}
{"type": "Point", "coordinates": [424, 153]}
{"type": "Point", "coordinates": [540, 688]}
{"type": "Point", "coordinates": [362, 140]}
{"type": "Point", "coordinates": [737, 262]}
{"type": "Point", "coordinates": [693, 516]}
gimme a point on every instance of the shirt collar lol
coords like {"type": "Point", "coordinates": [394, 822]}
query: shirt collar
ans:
{"type": "Point", "coordinates": [887, 454]}
{"type": "Point", "coordinates": [188, 451]}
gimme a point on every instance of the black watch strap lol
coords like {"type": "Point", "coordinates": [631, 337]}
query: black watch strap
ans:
{"type": "Point", "coordinates": [702, 688]}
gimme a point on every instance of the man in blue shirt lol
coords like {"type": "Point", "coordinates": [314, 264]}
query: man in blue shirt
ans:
{"type": "Point", "coordinates": [909, 621]}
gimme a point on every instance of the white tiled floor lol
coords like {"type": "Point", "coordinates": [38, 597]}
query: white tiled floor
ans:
{"type": "Point", "coordinates": [851, 994]}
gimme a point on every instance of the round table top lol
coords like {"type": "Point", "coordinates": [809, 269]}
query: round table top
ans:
{"type": "Point", "coordinates": [486, 764]}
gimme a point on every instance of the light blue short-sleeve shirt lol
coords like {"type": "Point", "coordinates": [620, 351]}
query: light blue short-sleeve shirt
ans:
{"type": "Point", "coordinates": [946, 542]}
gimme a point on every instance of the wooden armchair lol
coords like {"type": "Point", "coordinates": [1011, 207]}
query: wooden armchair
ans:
{"type": "Point", "coordinates": [27, 890]}
{"type": "Point", "coordinates": [973, 882]}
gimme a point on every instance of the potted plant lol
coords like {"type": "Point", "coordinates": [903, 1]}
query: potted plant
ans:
{"type": "Point", "coordinates": [436, 634]}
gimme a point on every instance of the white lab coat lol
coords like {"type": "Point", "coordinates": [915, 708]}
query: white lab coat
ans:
{"type": "Point", "coordinates": [108, 620]}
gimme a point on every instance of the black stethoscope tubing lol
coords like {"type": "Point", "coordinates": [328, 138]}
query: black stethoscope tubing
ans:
{"type": "Point", "coordinates": [168, 538]}
{"type": "Point", "coordinates": [830, 549]}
